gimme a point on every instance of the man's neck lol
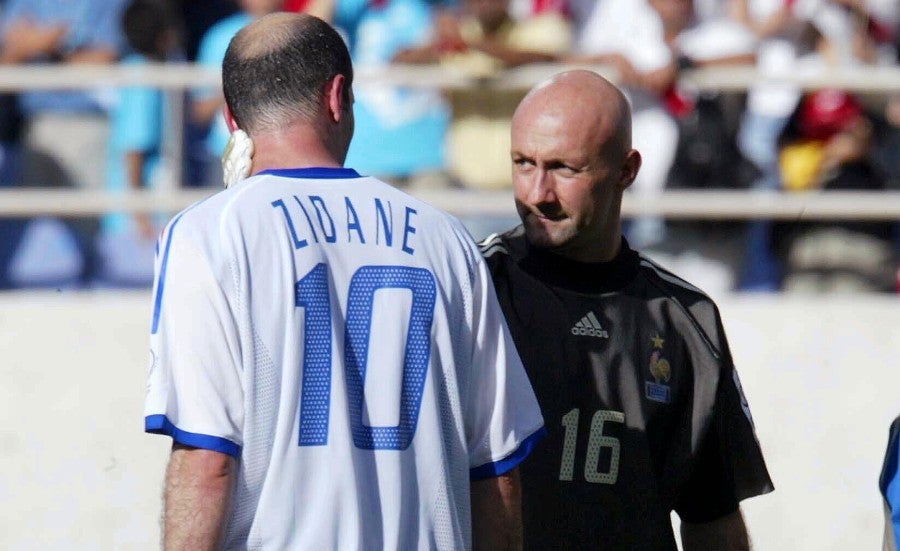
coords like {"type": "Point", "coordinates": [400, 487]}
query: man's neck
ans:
{"type": "Point", "coordinates": [597, 245]}
{"type": "Point", "coordinates": [597, 252]}
{"type": "Point", "coordinates": [291, 148]}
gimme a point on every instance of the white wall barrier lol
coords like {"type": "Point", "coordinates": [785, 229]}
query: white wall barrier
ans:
{"type": "Point", "coordinates": [821, 375]}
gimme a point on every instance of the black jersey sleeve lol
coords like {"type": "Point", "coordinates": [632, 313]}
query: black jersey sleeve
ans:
{"type": "Point", "coordinates": [708, 494]}
{"type": "Point", "coordinates": [730, 466]}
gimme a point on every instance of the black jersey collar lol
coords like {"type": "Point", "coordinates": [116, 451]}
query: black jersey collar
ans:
{"type": "Point", "coordinates": [593, 277]}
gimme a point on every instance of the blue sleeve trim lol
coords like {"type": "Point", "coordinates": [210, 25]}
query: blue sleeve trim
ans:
{"type": "Point", "coordinates": [511, 461]}
{"type": "Point", "coordinates": [160, 424]}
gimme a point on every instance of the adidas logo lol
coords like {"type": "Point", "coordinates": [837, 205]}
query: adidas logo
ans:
{"type": "Point", "coordinates": [589, 326]}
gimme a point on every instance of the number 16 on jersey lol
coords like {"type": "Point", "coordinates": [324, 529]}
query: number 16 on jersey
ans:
{"type": "Point", "coordinates": [596, 442]}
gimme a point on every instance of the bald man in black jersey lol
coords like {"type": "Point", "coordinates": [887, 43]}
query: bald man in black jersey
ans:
{"type": "Point", "coordinates": [630, 363]}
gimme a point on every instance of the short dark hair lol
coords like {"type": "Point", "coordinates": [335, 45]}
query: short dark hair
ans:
{"type": "Point", "coordinates": [144, 22]}
{"type": "Point", "coordinates": [274, 74]}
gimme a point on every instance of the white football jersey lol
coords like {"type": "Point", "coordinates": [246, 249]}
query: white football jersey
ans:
{"type": "Point", "coordinates": [343, 341]}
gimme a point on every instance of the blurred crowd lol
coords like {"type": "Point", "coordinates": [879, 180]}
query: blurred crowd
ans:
{"type": "Point", "coordinates": [774, 136]}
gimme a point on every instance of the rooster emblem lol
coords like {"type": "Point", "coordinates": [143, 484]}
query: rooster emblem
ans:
{"type": "Point", "coordinates": [661, 371]}
{"type": "Point", "coordinates": [659, 368]}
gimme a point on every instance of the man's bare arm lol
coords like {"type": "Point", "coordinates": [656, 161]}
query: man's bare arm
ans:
{"type": "Point", "coordinates": [723, 534]}
{"type": "Point", "coordinates": [497, 512]}
{"type": "Point", "coordinates": [197, 493]}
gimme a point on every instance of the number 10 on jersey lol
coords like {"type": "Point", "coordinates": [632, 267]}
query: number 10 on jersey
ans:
{"type": "Point", "coordinates": [596, 441]}
{"type": "Point", "coordinates": [312, 294]}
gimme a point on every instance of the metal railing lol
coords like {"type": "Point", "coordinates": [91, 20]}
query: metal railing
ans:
{"type": "Point", "coordinates": [685, 205]}
{"type": "Point", "coordinates": [181, 76]}
{"type": "Point", "coordinates": [175, 79]}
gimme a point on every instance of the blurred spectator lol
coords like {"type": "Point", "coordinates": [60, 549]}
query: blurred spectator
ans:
{"type": "Point", "coordinates": [198, 17]}
{"type": "Point", "coordinates": [10, 229]}
{"type": "Point", "coordinates": [828, 144]}
{"type": "Point", "coordinates": [411, 121]}
{"type": "Point", "coordinates": [713, 36]}
{"type": "Point", "coordinates": [207, 103]}
{"type": "Point", "coordinates": [702, 34]}
{"type": "Point", "coordinates": [707, 156]}
{"type": "Point", "coordinates": [126, 243]}
{"type": "Point", "coordinates": [63, 130]}
{"type": "Point", "coordinates": [323, 9]}
{"type": "Point", "coordinates": [481, 39]}
{"type": "Point", "coordinates": [647, 42]}
{"type": "Point", "coordinates": [636, 38]}
{"type": "Point", "coordinates": [796, 36]}
{"type": "Point", "coordinates": [768, 105]}
{"type": "Point", "coordinates": [888, 125]}
{"type": "Point", "coordinates": [889, 142]}
{"type": "Point", "coordinates": [10, 132]}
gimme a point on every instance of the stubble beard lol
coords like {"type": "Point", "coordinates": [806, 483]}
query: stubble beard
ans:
{"type": "Point", "coordinates": [548, 234]}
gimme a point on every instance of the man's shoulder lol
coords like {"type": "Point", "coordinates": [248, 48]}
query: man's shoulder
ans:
{"type": "Point", "coordinates": [188, 224]}
{"type": "Point", "coordinates": [502, 247]}
{"type": "Point", "coordinates": [671, 283]}
{"type": "Point", "coordinates": [699, 307]}
{"type": "Point", "coordinates": [202, 220]}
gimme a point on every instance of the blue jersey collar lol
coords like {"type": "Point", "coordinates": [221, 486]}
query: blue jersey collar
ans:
{"type": "Point", "coordinates": [322, 173]}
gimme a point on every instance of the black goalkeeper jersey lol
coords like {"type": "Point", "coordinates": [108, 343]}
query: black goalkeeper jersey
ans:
{"type": "Point", "coordinates": [641, 401]}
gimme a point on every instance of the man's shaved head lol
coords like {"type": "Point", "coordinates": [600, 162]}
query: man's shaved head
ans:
{"type": "Point", "coordinates": [586, 97]}
{"type": "Point", "coordinates": [572, 161]}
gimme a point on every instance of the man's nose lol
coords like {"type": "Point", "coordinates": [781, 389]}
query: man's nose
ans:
{"type": "Point", "coordinates": [543, 189]}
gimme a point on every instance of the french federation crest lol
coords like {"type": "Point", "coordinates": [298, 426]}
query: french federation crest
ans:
{"type": "Point", "coordinates": [659, 391]}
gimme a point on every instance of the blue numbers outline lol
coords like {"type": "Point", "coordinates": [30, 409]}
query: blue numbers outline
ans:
{"type": "Point", "coordinates": [365, 282]}
{"type": "Point", "coordinates": [312, 293]}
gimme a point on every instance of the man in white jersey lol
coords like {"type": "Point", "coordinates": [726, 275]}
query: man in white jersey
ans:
{"type": "Point", "coordinates": [328, 352]}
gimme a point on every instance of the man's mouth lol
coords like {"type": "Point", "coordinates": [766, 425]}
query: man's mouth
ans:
{"type": "Point", "coordinates": [549, 216]}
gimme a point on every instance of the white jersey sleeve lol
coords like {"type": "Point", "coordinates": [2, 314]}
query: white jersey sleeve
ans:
{"type": "Point", "coordinates": [194, 392]}
{"type": "Point", "coordinates": [504, 419]}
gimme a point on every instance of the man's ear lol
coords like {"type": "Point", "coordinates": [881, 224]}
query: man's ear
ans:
{"type": "Point", "coordinates": [336, 98]}
{"type": "Point", "coordinates": [229, 119]}
{"type": "Point", "coordinates": [631, 165]}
